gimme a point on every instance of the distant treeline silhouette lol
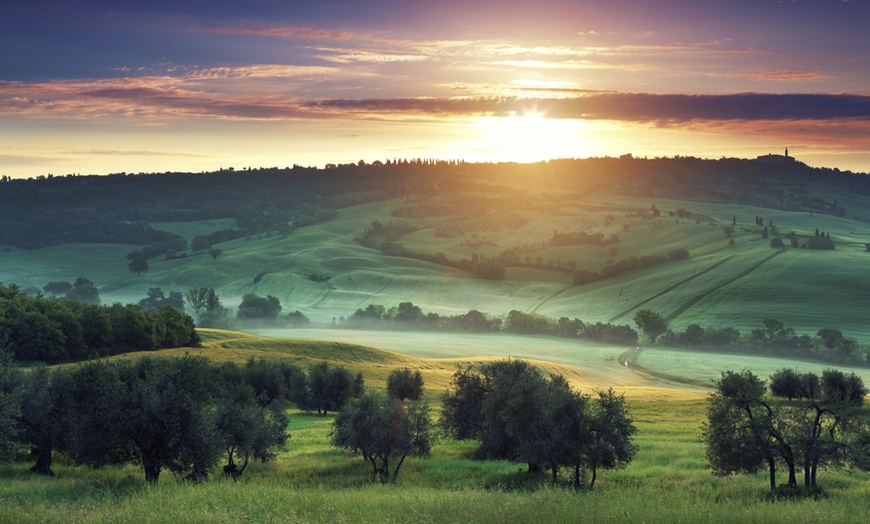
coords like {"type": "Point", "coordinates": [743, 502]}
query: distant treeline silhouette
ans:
{"type": "Point", "coordinates": [118, 208]}
{"type": "Point", "coordinates": [408, 316]}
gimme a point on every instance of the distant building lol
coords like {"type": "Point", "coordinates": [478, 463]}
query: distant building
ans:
{"type": "Point", "coordinates": [776, 159]}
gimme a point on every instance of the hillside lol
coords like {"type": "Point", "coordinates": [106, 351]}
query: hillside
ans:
{"type": "Point", "coordinates": [527, 218]}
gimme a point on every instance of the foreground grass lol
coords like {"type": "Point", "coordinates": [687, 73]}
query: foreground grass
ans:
{"type": "Point", "coordinates": [311, 482]}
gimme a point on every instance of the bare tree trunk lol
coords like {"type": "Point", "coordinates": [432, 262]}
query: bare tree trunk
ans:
{"type": "Point", "coordinates": [792, 479]}
{"type": "Point", "coordinates": [152, 470]}
{"type": "Point", "coordinates": [594, 475]}
{"type": "Point", "coordinates": [577, 476]}
{"type": "Point", "coordinates": [399, 465]}
{"type": "Point", "coordinates": [554, 474]}
{"type": "Point", "coordinates": [43, 462]}
{"type": "Point", "coordinates": [771, 464]}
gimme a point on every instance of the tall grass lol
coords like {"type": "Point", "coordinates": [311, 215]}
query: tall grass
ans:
{"type": "Point", "coordinates": [312, 482]}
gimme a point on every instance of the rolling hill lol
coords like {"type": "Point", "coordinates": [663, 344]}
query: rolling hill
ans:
{"type": "Point", "coordinates": [513, 213]}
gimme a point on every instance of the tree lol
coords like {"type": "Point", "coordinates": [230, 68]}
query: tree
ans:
{"type": "Point", "coordinates": [382, 428]}
{"type": "Point", "coordinates": [138, 266]}
{"type": "Point", "coordinates": [461, 412]}
{"type": "Point", "coordinates": [154, 412]}
{"type": "Point", "coordinates": [839, 388]}
{"type": "Point", "coordinates": [330, 388]}
{"type": "Point", "coordinates": [611, 428]}
{"type": "Point", "coordinates": [167, 419]}
{"type": "Point", "coordinates": [200, 243]}
{"type": "Point", "coordinates": [42, 425]}
{"type": "Point", "coordinates": [172, 327]}
{"type": "Point", "coordinates": [739, 432]}
{"type": "Point", "coordinates": [254, 307]}
{"type": "Point", "coordinates": [156, 298]}
{"type": "Point", "coordinates": [404, 384]}
{"type": "Point", "coordinates": [57, 289]}
{"type": "Point", "coordinates": [651, 324]}
{"type": "Point", "coordinates": [10, 400]}
{"type": "Point", "coordinates": [84, 290]}
{"type": "Point", "coordinates": [207, 306]}
{"type": "Point", "coordinates": [511, 403]}
{"type": "Point", "coordinates": [250, 425]}
{"type": "Point", "coordinates": [215, 252]}
{"type": "Point", "coordinates": [786, 382]}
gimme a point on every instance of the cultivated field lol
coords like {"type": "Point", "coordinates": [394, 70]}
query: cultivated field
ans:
{"type": "Point", "coordinates": [727, 281]}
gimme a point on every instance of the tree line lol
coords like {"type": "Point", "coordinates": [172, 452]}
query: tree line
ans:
{"type": "Point", "coordinates": [586, 276]}
{"type": "Point", "coordinates": [775, 338]}
{"type": "Point", "coordinates": [409, 316]}
{"type": "Point", "coordinates": [54, 330]}
{"type": "Point", "coordinates": [800, 421]}
{"type": "Point", "coordinates": [183, 415]}
{"type": "Point", "coordinates": [188, 415]}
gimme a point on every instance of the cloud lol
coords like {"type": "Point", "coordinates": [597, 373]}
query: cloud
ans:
{"type": "Point", "coordinates": [286, 32]}
{"type": "Point", "coordinates": [264, 92]}
{"type": "Point", "coordinates": [629, 107]}
{"type": "Point", "coordinates": [780, 75]}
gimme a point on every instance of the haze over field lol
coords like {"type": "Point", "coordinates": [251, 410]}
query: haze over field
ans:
{"type": "Point", "coordinates": [101, 87]}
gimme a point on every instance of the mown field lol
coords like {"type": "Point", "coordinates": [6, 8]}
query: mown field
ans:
{"type": "Point", "coordinates": [669, 480]}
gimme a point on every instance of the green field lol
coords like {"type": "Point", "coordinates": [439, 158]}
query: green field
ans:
{"type": "Point", "coordinates": [723, 283]}
{"type": "Point", "coordinates": [669, 480]}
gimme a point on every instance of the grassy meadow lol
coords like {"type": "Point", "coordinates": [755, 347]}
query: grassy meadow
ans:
{"type": "Point", "coordinates": [727, 281]}
{"type": "Point", "coordinates": [668, 481]}
{"type": "Point", "coordinates": [736, 280]}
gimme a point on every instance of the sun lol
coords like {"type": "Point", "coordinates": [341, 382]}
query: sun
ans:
{"type": "Point", "coordinates": [530, 137]}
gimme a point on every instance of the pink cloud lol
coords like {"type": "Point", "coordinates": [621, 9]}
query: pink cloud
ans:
{"type": "Point", "coordinates": [783, 75]}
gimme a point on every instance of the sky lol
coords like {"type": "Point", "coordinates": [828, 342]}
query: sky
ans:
{"type": "Point", "coordinates": [107, 86]}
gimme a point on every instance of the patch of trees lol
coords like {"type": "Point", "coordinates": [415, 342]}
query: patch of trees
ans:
{"type": "Point", "coordinates": [585, 276]}
{"type": "Point", "coordinates": [821, 240]}
{"type": "Point", "coordinates": [409, 316]}
{"type": "Point", "coordinates": [155, 249]}
{"type": "Point", "coordinates": [383, 238]}
{"type": "Point", "coordinates": [828, 344]}
{"type": "Point", "coordinates": [823, 424]}
{"type": "Point", "coordinates": [180, 415]}
{"type": "Point", "coordinates": [155, 298]}
{"type": "Point", "coordinates": [39, 329]}
{"type": "Point", "coordinates": [83, 290]}
{"type": "Point", "coordinates": [581, 237]}
{"type": "Point", "coordinates": [117, 208]}
{"type": "Point", "coordinates": [266, 310]}
{"type": "Point", "coordinates": [184, 415]}
{"type": "Point", "coordinates": [207, 307]}
{"type": "Point", "coordinates": [518, 414]}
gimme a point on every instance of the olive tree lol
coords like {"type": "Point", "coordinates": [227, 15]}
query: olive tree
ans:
{"type": "Point", "coordinates": [383, 429]}
{"type": "Point", "coordinates": [405, 384]}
